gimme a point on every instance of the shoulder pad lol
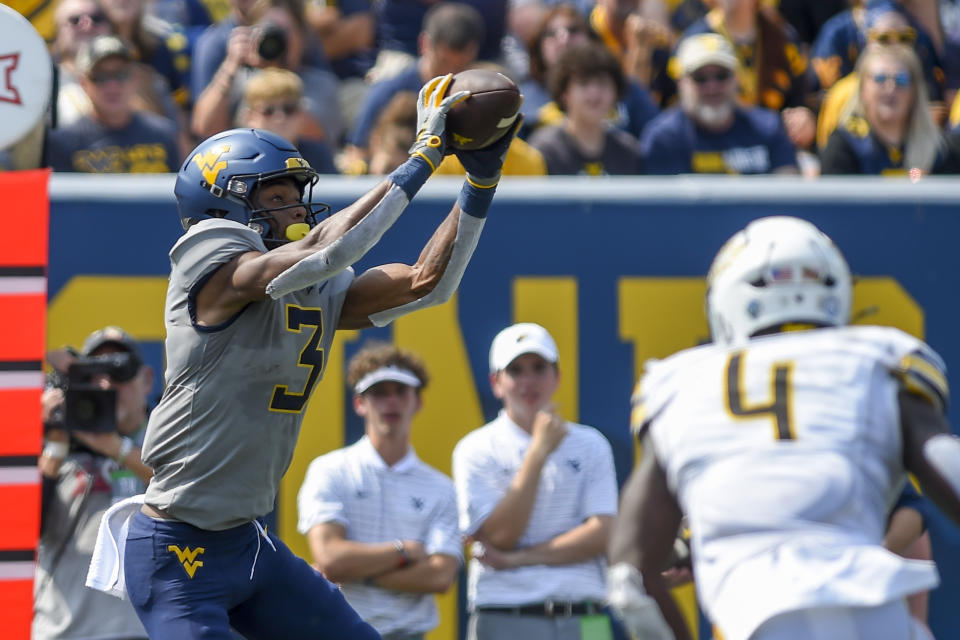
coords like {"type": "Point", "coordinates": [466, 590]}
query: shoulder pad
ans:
{"type": "Point", "coordinates": [918, 367]}
{"type": "Point", "coordinates": [657, 386]}
{"type": "Point", "coordinates": [924, 373]}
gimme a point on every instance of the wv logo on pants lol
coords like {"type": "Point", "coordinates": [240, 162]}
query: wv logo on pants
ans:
{"type": "Point", "coordinates": [188, 558]}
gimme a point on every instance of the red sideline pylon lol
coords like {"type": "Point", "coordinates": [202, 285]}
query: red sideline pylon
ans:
{"type": "Point", "coordinates": [23, 304]}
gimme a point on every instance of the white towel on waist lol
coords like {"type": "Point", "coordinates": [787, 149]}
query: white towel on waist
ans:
{"type": "Point", "coordinates": [106, 565]}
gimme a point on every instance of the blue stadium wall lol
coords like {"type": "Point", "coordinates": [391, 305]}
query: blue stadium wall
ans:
{"type": "Point", "coordinates": [614, 268]}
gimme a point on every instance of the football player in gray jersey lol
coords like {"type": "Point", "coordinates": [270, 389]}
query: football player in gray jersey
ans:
{"type": "Point", "coordinates": [257, 288]}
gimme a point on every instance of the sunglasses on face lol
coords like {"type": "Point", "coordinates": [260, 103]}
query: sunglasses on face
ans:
{"type": "Point", "coordinates": [907, 35]}
{"type": "Point", "coordinates": [703, 77]}
{"type": "Point", "coordinates": [900, 79]}
{"type": "Point", "coordinates": [95, 18]}
{"type": "Point", "coordinates": [288, 109]}
{"type": "Point", "coordinates": [103, 77]}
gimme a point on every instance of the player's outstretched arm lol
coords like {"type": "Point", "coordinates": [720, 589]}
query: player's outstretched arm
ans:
{"type": "Point", "coordinates": [348, 235]}
{"type": "Point", "coordinates": [931, 452]}
{"type": "Point", "coordinates": [642, 540]}
{"type": "Point", "coordinates": [397, 286]}
{"type": "Point", "coordinates": [382, 294]}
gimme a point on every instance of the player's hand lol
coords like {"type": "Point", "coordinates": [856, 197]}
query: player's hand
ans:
{"type": "Point", "coordinates": [240, 50]}
{"type": "Point", "coordinates": [432, 109]}
{"type": "Point", "coordinates": [414, 550]}
{"type": "Point", "coordinates": [801, 126]}
{"type": "Point", "coordinates": [52, 402]}
{"type": "Point", "coordinates": [484, 165]}
{"type": "Point", "coordinates": [629, 601]}
{"type": "Point", "coordinates": [497, 559]}
{"type": "Point", "coordinates": [677, 577]}
{"type": "Point", "coordinates": [548, 431]}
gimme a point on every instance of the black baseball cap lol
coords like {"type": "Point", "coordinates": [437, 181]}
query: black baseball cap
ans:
{"type": "Point", "coordinates": [114, 336]}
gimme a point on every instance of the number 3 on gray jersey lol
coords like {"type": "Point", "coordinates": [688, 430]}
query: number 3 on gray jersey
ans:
{"type": "Point", "coordinates": [312, 356]}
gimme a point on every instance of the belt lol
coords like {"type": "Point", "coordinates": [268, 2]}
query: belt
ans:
{"type": "Point", "coordinates": [549, 609]}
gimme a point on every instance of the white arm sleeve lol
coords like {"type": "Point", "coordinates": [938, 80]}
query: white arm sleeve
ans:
{"type": "Point", "coordinates": [630, 603]}
{"type": "Point", "coordinates": [345, 250]}
{"type": "Point", "coordinates": [468, 234]}
{"type": "Point", "coordinates": [942, 451]}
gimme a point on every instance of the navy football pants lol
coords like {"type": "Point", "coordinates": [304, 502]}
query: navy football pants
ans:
{"type": "Point", "coordinates": [188, 583]}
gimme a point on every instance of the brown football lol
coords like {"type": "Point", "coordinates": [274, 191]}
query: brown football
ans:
{"type": "Point", "coordinates": [487, 114]}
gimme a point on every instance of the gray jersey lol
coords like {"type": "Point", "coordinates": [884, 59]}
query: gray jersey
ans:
{"type": "Point", "coordinates": [224, 431]}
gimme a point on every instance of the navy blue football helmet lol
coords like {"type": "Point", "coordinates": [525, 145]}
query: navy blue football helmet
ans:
{"type": "Point", "coordinates": [218, 177]}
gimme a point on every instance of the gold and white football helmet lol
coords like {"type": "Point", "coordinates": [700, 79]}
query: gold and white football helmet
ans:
{"type": "Point", "coordinates": [777, 271]}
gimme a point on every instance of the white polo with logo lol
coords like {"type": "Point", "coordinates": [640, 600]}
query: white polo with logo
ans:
{"type": "Point", "coordinates": [375, 503]}
{"type": "Point", "coordinates": [577, 481]}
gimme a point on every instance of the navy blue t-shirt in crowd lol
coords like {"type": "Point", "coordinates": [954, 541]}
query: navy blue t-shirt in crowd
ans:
{"type": "Point", "coordinates": [756, 143]}
{"type": "Point", "coordinates": [148, 144]}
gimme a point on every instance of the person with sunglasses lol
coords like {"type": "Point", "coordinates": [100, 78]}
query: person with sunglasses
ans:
{"type": "Point", "coordinates": [887, 127]}
{"type": "Point", "coordinates": [76, 22]}
{"type": "Point", "coordinates": [261, 34]}
{"type": "Point", "coordinates": [709, 132]}
{"type": "Point", "coordinates": [83, 473]}
{"type": "Point", "coordinates": [273, 100]}
{"type": "Point", "coordinates": [884, 27]}
{"type": "Point", "coordinates": [773, 69]}
{"type": "Point", "coordinates": [834, 52]}
{"type": "Point", "coordinates": [115, 137]}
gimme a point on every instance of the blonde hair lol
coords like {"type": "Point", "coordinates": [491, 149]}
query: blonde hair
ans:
{"type": "Point", "coordinates": [272, 83]}
{"type": "Point", "coordinates": [922, 139]}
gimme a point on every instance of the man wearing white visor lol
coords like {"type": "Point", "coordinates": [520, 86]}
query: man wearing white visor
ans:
{"type": "Point", "coordinates": [538, 495]}
{"type": "Point", "coordinates": [379, 521]}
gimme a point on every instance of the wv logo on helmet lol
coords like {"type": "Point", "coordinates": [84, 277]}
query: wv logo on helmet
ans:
{"type": "Point", "coordinates": [188, 558]}
{"type": "Point", "coordinates": [210, 164]}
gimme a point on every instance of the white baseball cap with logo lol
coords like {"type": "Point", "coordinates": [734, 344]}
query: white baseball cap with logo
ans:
{"type": "Point", "coordinates": [25, 77]}
{"type": "Point", "coordinates": [518, 339]}
{"type": "Point", "coordinates": [702, 49]}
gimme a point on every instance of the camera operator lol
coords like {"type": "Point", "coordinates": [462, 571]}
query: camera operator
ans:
{"type": "Point", "coordinates": [94, 415]}
{"type": "Point", "coordinates": [278, 37]}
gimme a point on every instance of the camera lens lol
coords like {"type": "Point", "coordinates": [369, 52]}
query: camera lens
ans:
{"type": "Point", "coordinates": [273, 42]}
{"type": "Point", "coordinates": [86, 409]}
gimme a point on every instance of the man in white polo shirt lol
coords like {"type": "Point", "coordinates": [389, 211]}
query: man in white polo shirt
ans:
{"type": "Point", "coordinates": [380, 522]}
{"type": "Point", "coordinates": [538, 496]}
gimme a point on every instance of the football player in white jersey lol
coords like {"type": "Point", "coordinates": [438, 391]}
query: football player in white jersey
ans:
{"type": "Point", "coordinates": [784, 443]}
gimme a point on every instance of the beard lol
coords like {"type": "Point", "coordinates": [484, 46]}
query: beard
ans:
{"type": "Point", "coordinates": [706, 115]}
{"type": "Point", "coordinates": [712, 116]}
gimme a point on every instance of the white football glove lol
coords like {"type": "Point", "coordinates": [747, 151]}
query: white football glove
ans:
{"type": "Point", "coordinates": [432, 109]}
{"type": "Point", "coordinates": [629, 601]}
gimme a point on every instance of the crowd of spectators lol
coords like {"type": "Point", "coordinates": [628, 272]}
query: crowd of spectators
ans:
{"type": "Point", "coordinates": [611, 86]}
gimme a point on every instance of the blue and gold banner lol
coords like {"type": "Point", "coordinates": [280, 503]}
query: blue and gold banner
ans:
{"type": "Point", "coordinates": [614, 268]}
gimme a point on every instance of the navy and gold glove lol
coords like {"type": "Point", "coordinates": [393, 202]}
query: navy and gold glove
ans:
{"type": "Point", "coordinates": [484, 165]}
